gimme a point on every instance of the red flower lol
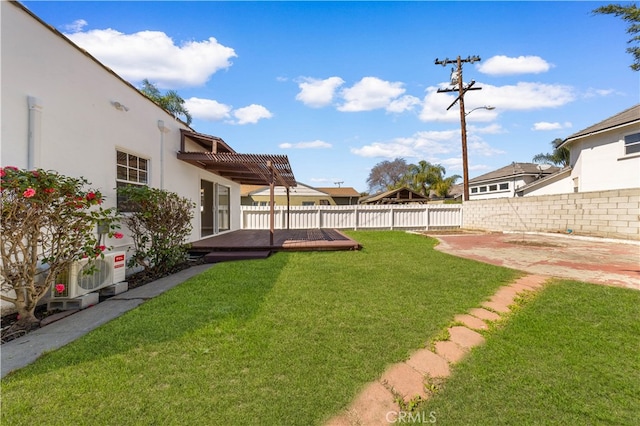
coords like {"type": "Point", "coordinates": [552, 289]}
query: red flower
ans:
{"type": "Point", "coordinates": [29, 192]}
{"type": "Point", "coordinates": [59, 288]}
{"type": "Point", "coordinates": [35, 174]}
{"type": "Point", "coordinates": [100, 249]}
{"type": "Point", "coordinates": [15, 169]}
{"type": "Point", "coordinates": [118, 235]}
{"type": "Point", "coordinates": [91, 196]}
{"type": "Point", "coordinates": [49, 190]}
{"type": "Point", "coordinates": [2, 172]}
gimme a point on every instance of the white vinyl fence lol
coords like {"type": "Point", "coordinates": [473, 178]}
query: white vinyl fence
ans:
{"type": "Point", "coordinates": [418, 216]}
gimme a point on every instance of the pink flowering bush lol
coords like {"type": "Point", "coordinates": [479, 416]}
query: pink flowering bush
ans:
{"type": "Point", "coordinates": [47, 219]}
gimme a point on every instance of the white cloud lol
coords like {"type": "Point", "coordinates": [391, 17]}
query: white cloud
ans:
{"type": "Point", "coordinates": [207, 109]}
{"type": "Point", "coordinates": [492, 129]}
{"type": "Point", "coordinates": [306, 145]}
{"type": "Point", "coordinates": [405, 103]}
{"type": "Point", "coordinates": [528, 96]}
{"type": "Point", "coordinates": [504, 65]}
{"type": "Point", "coordinates": [370, 93]}
{"type": "Point", "coordinates": [478, 146]}
{"type": "Point", "coordinates": [251, 114]}
{"type": "Point", "coordinates": [522, 96]}
{"type": "Point", "coordinates": [421, 144]}
{"type": "Point", "coordinates": [76, 25]}
{"type": "Point", "coordinates": [154, 55]}
{"type": "Point", "coordinates": [544, 125]}
{"type": "Point", "coordinates": [318, 93]}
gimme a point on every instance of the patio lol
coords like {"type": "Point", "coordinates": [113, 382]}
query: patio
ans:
{"type": "Point", "coordinates": [255, 243]}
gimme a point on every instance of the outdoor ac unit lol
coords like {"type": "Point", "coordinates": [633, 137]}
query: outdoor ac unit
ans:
{"type": "Point", "coordinates": [106, 271]}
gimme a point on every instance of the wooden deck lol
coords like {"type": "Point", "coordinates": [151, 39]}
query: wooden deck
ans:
{"type": "Point", "coordinates": [283, 240]}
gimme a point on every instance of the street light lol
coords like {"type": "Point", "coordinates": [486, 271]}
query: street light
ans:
{"type": "Point", "coordinates": [487, 107]}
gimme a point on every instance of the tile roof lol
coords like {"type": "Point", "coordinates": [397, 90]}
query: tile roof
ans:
{"type": "Point", "coordinates": [514, 169]}
{"type": "Point", "coordinates": [625, 117]}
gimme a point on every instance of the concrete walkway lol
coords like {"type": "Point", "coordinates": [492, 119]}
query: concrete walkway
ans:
{"type": "Point", "coordinates": [25, 350]}
{"type": "Point", "coordinates": [377, 402]}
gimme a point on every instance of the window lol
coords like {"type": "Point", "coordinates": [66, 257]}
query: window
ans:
{"type": "Point", "coordinates": [224, 208]}
{"type": "Point", "coordinates": [504, 186]}
{"type": "Point", "coordinates": [493, 187]}
{"type": "Point", "coordinates": [483, 189]}
{"type": "Point", "coordinates": [474, 190]}
{"type": "Point", "coordinates": [130, 170]}
{"type": "Point", "coordinates": [308, 203]}
{"type": "Point", "coordinates": [632, 144]}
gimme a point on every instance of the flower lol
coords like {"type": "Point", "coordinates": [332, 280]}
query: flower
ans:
{"type": "Point", "coordinates": [59, 288]}
{"type": "Point", "coordinates": [29, 192]}
{"type": "Point", "coordinates": [118, 235]}
{"type": "Point", "coordinates": [49, 190]}
{"type": "Point", "coordinates": [91, 196]}
{"type": "Point", "coordinates": [14, 168]}
{"type": "Point", "coordinates": [35, 174]}
{"type": "Point", "coordinates": [2, 172]}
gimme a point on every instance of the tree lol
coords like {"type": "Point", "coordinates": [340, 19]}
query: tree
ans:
{"type": "Point", "coordinates": [423, 175]}
{"type": "Point", "coordinates": [559, 157]}
{"type": "Point", "coordinates": [631, 14]}
{"type": "Point", "coordinates": [48, 222]}
{"type": "Point", "coordinates": [159, 223]}
{"type": "Point", "coordinates": [387, 175]}
{"type": "Point", "coordinates": [170, 101]}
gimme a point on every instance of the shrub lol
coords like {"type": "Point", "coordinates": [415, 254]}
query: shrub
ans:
{"type": "Point", "coordinates": [48, 220]}
{"type": "Point", "coordinates": [159, 222]}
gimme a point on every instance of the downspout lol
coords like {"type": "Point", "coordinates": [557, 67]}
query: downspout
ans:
{"type": "Point", "coordinates": [33, 137]}
{"type": "Point", "coordinates": [163, 130]}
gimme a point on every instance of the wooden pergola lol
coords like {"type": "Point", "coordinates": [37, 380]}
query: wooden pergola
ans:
{"type": "Point", "coordinates": [247, 169]}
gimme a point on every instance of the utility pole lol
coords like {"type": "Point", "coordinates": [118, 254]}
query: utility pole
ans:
{"type": "Point", "coordinates": [456, 79]}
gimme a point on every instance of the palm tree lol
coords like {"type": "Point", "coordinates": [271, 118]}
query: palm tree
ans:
{"type": "Point", "coordinates": [425, 177]}
{"type": "Point", "coordinates": [559, 156]}
{"type": "Point", "coordinates": [170, 101]}
{"type": "Point", "coordinates": [443, 186]}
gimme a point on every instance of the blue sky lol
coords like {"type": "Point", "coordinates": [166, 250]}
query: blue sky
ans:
{"type": "Point", "coordinates": [342, 86]}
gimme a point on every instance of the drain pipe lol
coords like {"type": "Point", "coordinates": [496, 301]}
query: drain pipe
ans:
{"type": "Point", "coordinates": [33, 136]}
{"type": "Point", "coordinates": [163, 130]}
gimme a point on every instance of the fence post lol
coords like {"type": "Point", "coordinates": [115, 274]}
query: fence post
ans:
{"type": "Point", "coordinates": [426, 213]}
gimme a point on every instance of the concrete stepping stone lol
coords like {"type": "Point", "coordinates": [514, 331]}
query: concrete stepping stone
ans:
{"type": "Point", "coordinates": [371, 407]}
{"type": "Point", "coordinates": [450, 351]}
{"type": "Point", "coordinates": [471, 322]}
{"type": "Point", "coordinates": [464, 337]}
{"type": "Point", "coordinates": [497, 306]}
{"type": "Point", "coordinates": [484, 314]}
{"type": "Point", "coordinates": [404, 380]}
{"type": "Point", "coordinates": [429, 364]}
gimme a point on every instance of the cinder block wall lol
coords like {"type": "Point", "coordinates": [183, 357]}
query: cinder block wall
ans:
{"type": "Point", "coordinates": [610, 214]}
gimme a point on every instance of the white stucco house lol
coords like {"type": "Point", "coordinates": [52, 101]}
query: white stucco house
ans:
{"type": "Point", "coordinates": [507, 181]}
{"type": "Point", "coordinates": [63, 110]}
{"type": "Point", "coordinates": [604, 156]}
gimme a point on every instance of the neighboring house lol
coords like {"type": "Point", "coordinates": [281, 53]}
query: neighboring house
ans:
{"type": "Point", "coordinates": [506, 181]}
{"type": "Point", "coordinates": [63, 110]}
{"type": "Point", "coordinates": [341, 196]}
{"type": "Point", "coordinates": [299, 195]}
{"type": "Point", "coordinates": [395, 196]}
{"type": "Point", "coordinates": [604, 156]}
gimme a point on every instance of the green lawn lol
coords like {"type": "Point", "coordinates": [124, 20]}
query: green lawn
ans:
{"type": "Point", "coordinates": [571, 356]}
{"type": "Point", "coordinates": [289, 340]}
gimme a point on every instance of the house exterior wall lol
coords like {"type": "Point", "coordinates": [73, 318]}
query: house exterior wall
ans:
{"type": "Point", "coordinates": [514, 182]}
{"type": "Point", "coordinates": [561, 184]}
{"type": "Point", "coordinates": [599, 161]}
{"type": "Point", "coordinates": [611, 214]}
{"type": "Point", "coordinates": [77, 129]}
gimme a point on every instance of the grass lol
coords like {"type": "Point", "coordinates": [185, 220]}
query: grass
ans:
{"type": "Point", "coordinates": [287, 340]}
{"type": "Point", "coordinates": [568, 356]}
